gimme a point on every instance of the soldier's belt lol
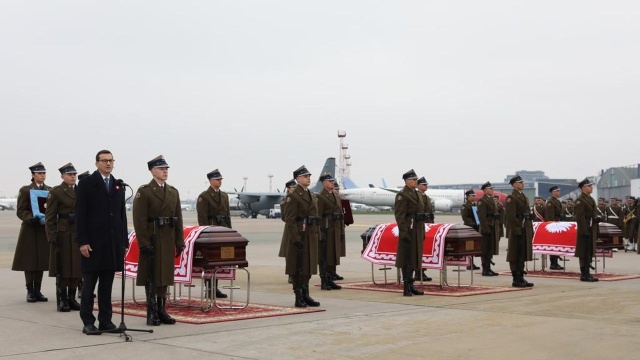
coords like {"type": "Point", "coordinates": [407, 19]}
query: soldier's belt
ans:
{"type": "Point", "coordinates": [164, 221]}
{"type": "Point", "coordinates": [309, 220]}
{"type": "Point", "coordinates": [421, 216]}
{"type": "Point", "coordinates": [70, 217]}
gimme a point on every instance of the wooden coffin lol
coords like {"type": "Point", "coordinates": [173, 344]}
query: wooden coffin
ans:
{"type": "Point", "coordinates": [462, 240]}
{"type": "Point", "coordinates": [220, 246]}
{"type": "Point", "coordinates": [609, 237]}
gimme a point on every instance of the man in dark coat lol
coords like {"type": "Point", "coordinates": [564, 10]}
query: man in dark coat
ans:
{"type": "Point", "coordinates": [284, 242]}
{"type": "Point", "coordinates": [64, 257]}
{"type": "Point", "coordinates": [101, 225]}
{"type": "Point", "coordinates": [331, 216]}
{"type": "Point", "coordinates": [32, 249]}
{"type": "Point", "coordinates": [489, 228]}
{"type": "Point", "coordinates": [469, 219]}
{"type": "Point", "coordinates": [553, 212]}
{"type": "Point", "coordinates": [213, 209]}
{"type": "Point", "coordinates": [157, 220]}
{"type": "Point", "coordinates": [301, 217]}
{"type": "Point", "coordinates": [410, 219]}
{"type": "Point", "coordinates": [519, 218]}
{"type": "Point", "coordinates": [587, 220]}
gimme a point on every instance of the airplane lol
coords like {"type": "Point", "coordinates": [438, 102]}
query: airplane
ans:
{"type": "Point", "coordinates": [443, 200]}
{"type": "Point", "coordinates": [253, 203]}
{"type": "Point", "coordinates": [8, 203]}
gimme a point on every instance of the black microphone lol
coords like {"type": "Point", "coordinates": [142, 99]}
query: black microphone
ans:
{"type": "Point", "coordinates": [120, 182]}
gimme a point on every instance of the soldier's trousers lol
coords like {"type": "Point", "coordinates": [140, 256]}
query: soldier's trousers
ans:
{"type": "Point", "coordinates": [521, 251]}
{"type": "Point", "coordinates": [588, 251]}
{"type": "Point", "coordinates": [33, 276]}
{"type": "Point", "coordinates": [487, 245]}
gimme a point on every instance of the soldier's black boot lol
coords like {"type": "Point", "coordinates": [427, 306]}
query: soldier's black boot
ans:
{"type": "Point", "coordinates": [324, 282]}
{"type": "Point", "coordinates": [63, 302]}
{"type": "Point", "coordinates": [524, 281]}
{"type": "Point", "coordinates": [407, 288]}
{"type": "Point", "coordinates": [415, 291]}
{"type": "Point", "coordinates": [485, 270]}
{"type": "Point", "coordinates": [335, 276]}
{"type": "Point", "coordinates": [37, 294]}
{"type": "Point", "coordinates": [516, 280]}
{"type": "Point", "coordinates": [585, 276]}
{"type": "Point", "coordinates": [152, 310]}
{"type": "Point", "coordinates": [30, 297]}
{"type": "Point", "coordinates": [308, 299]}
{"type": "Point", "coordinates": [332, 284]}
{"type": "Point", "coordinates": [73, 304]}
{"type": "Point", "coordinates": [493, 273]}
{"type": "Point", "coordinates": [299, 300]}
{"type": "Point", "coordinates": [162, 313]}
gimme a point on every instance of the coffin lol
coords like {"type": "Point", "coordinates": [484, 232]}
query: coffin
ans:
{"type": "Point", "coordinates": [609, 237]}
{"type": "Point", "coordinates": [462, 240]}
{"type": "Point", "coordinates": [219, 246]}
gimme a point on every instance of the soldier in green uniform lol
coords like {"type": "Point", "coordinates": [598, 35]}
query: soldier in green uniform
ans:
{"type": "Point", "coordinates": [331, 216]}
{"type": "Point", "coordinates": [301, 217]}
{"type": "Point", "coordinates": [213, 209]}
{"type": "Point", "coordinates": [602, 209]}
{"type": "Point", "coordinates": [32, 249]}
{"type": "Point", "coordinates": [410, 218]}
{"type": "Point", "coordinates": [496, 200]}
{"type": "Point", "coordinates": [553, 212]}
{"type": "Point", "coordinates": [157, 220]}
{"type": "Point", "coordinates": [538, 209]}
{"type": "Point", "coordinates": [567, 214]}
{"type": "Point", "coordinates": [489, 228]}
{"type": "Point", "coordinates": [521, 232]}
{"type": "Point", "coordinates": [629, 220]}
{"type": "Point", "coordinates": [423, 185]}
{"type": "Point", "coordinates": [289, 186]}
{"type": "Point", "coordinates": [614, 213]}
{"type": "Point", "coordinates": [468, 217]}
{"type": "Point", "coordinates": [343, 245]}
{"type": "Point", "coordinates": [587, 220]}
{"type": "Point", "coordinates": [61, 232]}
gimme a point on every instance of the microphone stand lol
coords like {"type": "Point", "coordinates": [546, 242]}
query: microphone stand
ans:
{"type": "Point", "coordinates": [122, 328]}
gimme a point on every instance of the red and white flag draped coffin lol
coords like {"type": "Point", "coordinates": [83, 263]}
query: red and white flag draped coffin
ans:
{"type": "Point", "coordinates": [206, 248]}
{"type": "Point", "coordinates": [559, 238]}
{"type": "Point", "coordinates": [382, 245]}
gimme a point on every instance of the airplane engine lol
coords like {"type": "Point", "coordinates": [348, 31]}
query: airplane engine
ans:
{"type": "Point", "coordinates": [443, 205]}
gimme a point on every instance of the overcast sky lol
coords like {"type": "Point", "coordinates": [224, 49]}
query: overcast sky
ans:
{"type": "Point", "coordinates": [462, 91]}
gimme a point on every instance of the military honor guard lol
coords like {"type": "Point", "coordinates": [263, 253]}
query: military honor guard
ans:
{"type": "Point", "coordinates": [64, 255]}
{"type": "Point", "coordinates": [553, 212]}
{"type": "Point", "coordinates": [289, 187]}
{"type": "Point", "coordinates": [301, 218]}
{"type": "Point", "coordinates": [423, 185]}
{"type": "Point", "coordinates": [538, 209]}
{"type": "Point", "coordinates": [567, 213]}
{"type": "Point", "coordinates": [489, 228]}
{"type": "Point", "coordinates": [602, 209]}
{"type": "Point", "coordinates": [330, 213]}
{"type": "Point", "coordinates": [587, 220]}
{"type": "Point", "coordinates": [343, 245]}
{"type": "Point", "coordinates": [410, 218]}
{"type": "Point", "coordinates": [213, 209]}
{"type": "Point", "coordinates": [469, 218]}
{"type": "Point", "coordinates": [520, 228]}
{"type": "Point", "coordinates": [32, 249]}
{"type": "Point", "coordinates": [157, 220]}
{"type": "Point", "coordinates": [101, 226]}
{"type": "Point", "coordinates": [614, 213]}
{"type": "Point", "coordinates": [629, 221]}
{"type": "Point", "coordinates": [496, 200]}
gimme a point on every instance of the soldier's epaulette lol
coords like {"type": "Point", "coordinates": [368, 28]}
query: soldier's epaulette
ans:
{"type": "Point", "coordinates": [143, 186]}
{"type": "Point", "coordinates": [172, 187]}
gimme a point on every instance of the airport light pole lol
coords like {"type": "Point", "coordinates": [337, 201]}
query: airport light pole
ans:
{"type": "Point", "coordinates": [270, 182]}
{"type": "Point", "coordinates": [244, 185]}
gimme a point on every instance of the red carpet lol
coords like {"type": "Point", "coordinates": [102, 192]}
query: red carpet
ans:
{"type": "Point", "coordinates": [192, 315]}
{"type": "Point", "coordinates": [576, 276]}
{"type": "Point", "coordinates": [432, 289]}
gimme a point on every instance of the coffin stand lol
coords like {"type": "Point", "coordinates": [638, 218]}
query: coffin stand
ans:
{"type": "Point", "coordinates": [461, 241]}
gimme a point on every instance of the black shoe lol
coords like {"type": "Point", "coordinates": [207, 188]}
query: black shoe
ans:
{"type": "Point", "coordinates": [162, 312]}
{"type": "Point", "coordinates": [107, 327]}
{"type": "Point", "coordinates": [91, 330]}
{"type": "Point", "coordinates": [63, 305]}
{"type": "Point", "coordinates": [493, 273]}
{"type": "Point", "coordinates": [308, 299]}
{"type": "Point", "coordinates": [334, 286]}
{"type": "Point", "coordinates": [407, 289]}
{"type": "Point", "coordinates": [299, 301]}
{"type": "Point", "coordinates": [485, 272]}
{"type": "Point", "coordinates": [324, 283]}
{"type": "Point", "coordinates": [30, 297]}
{"type": "Point", "coordinates": [220, 294]}
{"type": "Point", "coordinates": [37, 294]}
{"type": "Point", "coordinates": [518, 284]}
{"type": "Point", "coordinates": [556, 267]}
{"type": "Point", "coordinates": [337, 277]}
{"type": "Point", "coordinates": [415, 291]}
{"type": "Point", "coordinates": [525, 282]}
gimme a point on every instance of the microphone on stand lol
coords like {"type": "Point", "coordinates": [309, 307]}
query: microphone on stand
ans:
{"type": "Point", "coordinates": [120, 182]}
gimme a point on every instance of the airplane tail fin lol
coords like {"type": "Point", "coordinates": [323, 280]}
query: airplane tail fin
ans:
{"type": "Point", "coordinates": [384, 183]}
{"type": "Point", "coordinates": [330, 167]}
{"type": "Point", "coordinates": [348, 184]}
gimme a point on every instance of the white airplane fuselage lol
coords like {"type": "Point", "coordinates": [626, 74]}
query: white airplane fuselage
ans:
{"type": "Point", "coordinates": [8, 203]}
{"type": "Point", "coordinates": [443, 200]}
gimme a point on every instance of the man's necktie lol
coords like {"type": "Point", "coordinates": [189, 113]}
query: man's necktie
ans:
{"type": "Point", "coordinates": [106, 182]}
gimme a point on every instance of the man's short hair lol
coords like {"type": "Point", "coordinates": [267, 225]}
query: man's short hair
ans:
{"type": "Point", "coordinates": [102, 152]}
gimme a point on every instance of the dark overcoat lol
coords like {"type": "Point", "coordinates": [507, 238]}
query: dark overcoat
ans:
{"type": "Point", "coordinates": [519, 228]}
{"type": "Point", "coordinates": [211, 203]}
{"type": "Point", "coordinates": [489, 224]}
{"type": "Point", "coordinates": [301, 203]}
{"type": "Point", "coordinates": [153, 201]}
{"type": "Point", "coordinates": [410, 230]}
{"type": "Point", "coordinates": [585, 211]}
{"type": "Point", "coordinates": [333, 229]}
{"type": "Point", "coordinates": [101, 222]}
{"type": "Point", "coordinates": [32, 249]}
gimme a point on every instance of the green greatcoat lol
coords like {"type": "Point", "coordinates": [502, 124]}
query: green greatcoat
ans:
{"type": "Point", "coordinates": [60, 203]}
{"type": "Point", "coordinates": [502, 218]}
{"type": "Point", "coordinates": [466, 212]}
{"type": "Point", "coordinates": [153, 201]}
{"type": "Point", "coordinates": [211, 203]}
{"type": "Point", "coordinates": [614, 216]}
{"type": "Point", "coordinates": [410, 231]}
{"type": "Point", "coordinates": [32, 249]}
{"type": "Point", "coordinates": [285, 240]}
{"type": "Point", "coordinates": [517, 205]}
{"type": "Point", "coordinates": [553, 210]}
{"type": "Point", "coordinates": [428, 207]}
{"type": "Point", "coordinates": [489, 225]}
{"type": "Point", "coordinates": [328, 205]}
{"type": "Point", "coordinates": [585, 211]}
{"type": "Point", "coordinates": [301, 203]}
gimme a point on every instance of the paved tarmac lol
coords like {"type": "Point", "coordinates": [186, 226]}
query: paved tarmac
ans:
{"type": "Point", "coordinates": [558, 319]}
